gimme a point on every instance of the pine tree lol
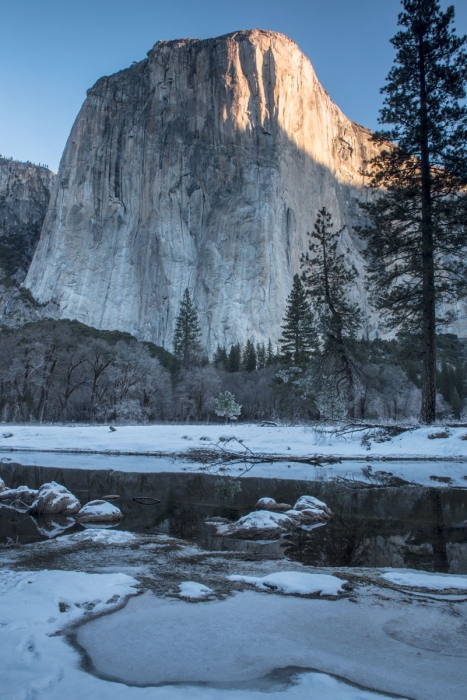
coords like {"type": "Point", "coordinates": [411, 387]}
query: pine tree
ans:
{"type": "Point", "coordinates": [260, 356]}
{"type": "Point", "coordinates": [186, 344]}
{"type": "Point", "coordinates": [233, 361]}
{"type": "Point", "coordinates": [299, 338]}
{"type": "Point", "coordinates": [220, 357]}
{"type": "Point", "coordinates": [418, 232]}
{"type": "Point", "coordinates": [227, 407]}
{"type": "Point", "coordinates": [270, 356]}
{"type": "Point", "coordinates": [328, 280]}
{"type": "Point", "coordinates": [249, 357]}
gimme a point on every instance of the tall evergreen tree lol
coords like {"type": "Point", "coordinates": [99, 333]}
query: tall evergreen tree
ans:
{"type": "Point", "coordinates": [299, 338]}
{"type": "Point", "coordinates": [260, 356]}
{"type": "Point", "coordinates": [220, 358]}
{"type": "Point", "coordinates": [187, 336]}
{"type": "Point", "coordinates": [233, 360]}
{"type": "Point", "coordinates": [328, 280]}
{"type": "Point", "coordinates": [418, 232]}
{"type": "Point", "coordinates": [249, 357]}
{"type": "Point", "coordinates": [270, 356]}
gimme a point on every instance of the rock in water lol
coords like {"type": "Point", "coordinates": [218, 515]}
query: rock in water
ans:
{"type": "Point", "coordinates": [270, 504]}
{"type": "Point", "coordinates": [202, 166]}
{"type": "Point", "coordinates": [20, 498]}
{"type": "Point", "coordinates": [99, 512]}
{"type": "Point", "coordinates": [54, 499]}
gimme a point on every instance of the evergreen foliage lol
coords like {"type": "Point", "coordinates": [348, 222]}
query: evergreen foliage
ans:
{"type": "Point", "coordinates": [227, 407]}
{"type": "Point", "coordinates": [249, 357]}
{"type": "Point", "coordinates": [186, 344]}
{"type": "Point", "coordinates": [260, 356]}
{"type": "Point", "coordinates": [220, 357]}
{"type": "Point", "coordinates": [417, 236]}
{"type": "Point", "coordinates": [299, 338]}
{"type": "Point", "coordinates": [328, 279]}
{"type": "Point", "coordinates": [270, 355]}
{"type": "Point", "coordinates": [233, 362]}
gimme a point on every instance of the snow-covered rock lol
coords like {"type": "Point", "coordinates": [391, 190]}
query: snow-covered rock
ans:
{"type": "Point", "coordinates": [20, 498]}
{"type": "Point", "coordinates": [312, 510]}
{"type": "Point", "coordinates": [194, 591]}
{"type": "Point", "coordinates": [99, 512]}
{"type": "Point", "coordinates": [54, 499]}
{"type": "Point", "coordinates": [295, 583]}
{"type": "Point", "coordinates": [259, 525]}
{"type": "Point", "coordinates": [270, 504]}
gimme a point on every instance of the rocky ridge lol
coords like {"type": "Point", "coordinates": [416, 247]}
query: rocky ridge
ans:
{"type": "Point", "coordinates": [24, 197]}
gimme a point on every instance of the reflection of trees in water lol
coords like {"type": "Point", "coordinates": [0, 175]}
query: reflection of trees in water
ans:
{"type": "Point", "coordinates": [426, 546]}
{"type": "Point", "coordinates": [343, 541]}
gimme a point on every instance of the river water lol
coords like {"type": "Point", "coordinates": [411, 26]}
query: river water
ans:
{"type": "Point", "coordinates": [401, 525]}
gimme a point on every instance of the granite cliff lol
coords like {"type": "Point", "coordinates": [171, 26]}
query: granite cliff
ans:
{"type": "Point", "coordinates": [24, 197]}
{"type": "Point", "coordinates": [202, 166]}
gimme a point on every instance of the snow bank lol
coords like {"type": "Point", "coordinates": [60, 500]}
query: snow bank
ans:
{"type": "Point", "coordinates": [194, 591]}
{"type": "Point", "coordinates": [54, 499]}
{"type": "Point", "coordinates": [170, 439]}
{"type": "Point", "coordinates": [425, 579]}
{"type": "Point", "coordinates": [99, 512]}
{"type": "Point", "coordinates": [295, 583]}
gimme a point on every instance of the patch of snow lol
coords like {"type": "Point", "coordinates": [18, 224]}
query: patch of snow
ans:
{"type": "Point", "coordinates": [295, 583]}
{"type": "Point", "coordinates": [194, 591]}
{"type": "Point", "coordinates": [425, 579]}
{"type": "Point", "coordinates": [103, 535]}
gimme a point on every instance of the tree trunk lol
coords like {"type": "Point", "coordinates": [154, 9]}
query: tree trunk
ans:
{"type": "Point", "coordinates": [428, 410]}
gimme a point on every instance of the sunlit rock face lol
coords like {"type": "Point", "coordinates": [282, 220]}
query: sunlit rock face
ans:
{"type": "Point", "coordinates": [202, 166]}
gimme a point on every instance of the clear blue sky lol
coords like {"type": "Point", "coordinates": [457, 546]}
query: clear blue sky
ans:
{"type": "Point", "coordinates": [51, 51]}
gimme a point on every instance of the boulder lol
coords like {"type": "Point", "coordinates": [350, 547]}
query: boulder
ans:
{"type": "Point", "coordinates": [20, 499]}
{"type": "Point", "coordinates": [271, 505]}
{"type": "Point", "coordinates": [99, 512]}
{"type": "Point", "coordinates": [310, 503]}
{"type": "Point", "coordinates": [260, 525]}
{"type": "Point", "coordinates": [54, 499]}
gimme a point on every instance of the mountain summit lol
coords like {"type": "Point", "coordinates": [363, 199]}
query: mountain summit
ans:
{"type": "Point", "coordinates": [202, 166]}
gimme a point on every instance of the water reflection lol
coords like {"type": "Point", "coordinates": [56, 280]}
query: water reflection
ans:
{"type": "Point", "coordinates": [375, 526]}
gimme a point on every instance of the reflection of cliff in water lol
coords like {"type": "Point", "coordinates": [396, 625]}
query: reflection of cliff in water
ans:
{"type": "Point", "coordinates": [398, 526]}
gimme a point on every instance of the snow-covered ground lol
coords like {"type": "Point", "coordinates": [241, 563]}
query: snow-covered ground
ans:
{"type": "Point", "coordinates": [285, 440]}
{"type": "Point", "coordinates": [131, 448]}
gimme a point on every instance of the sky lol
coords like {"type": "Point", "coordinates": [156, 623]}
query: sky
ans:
{"type": "Point", "coordinates": [52, 51]}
